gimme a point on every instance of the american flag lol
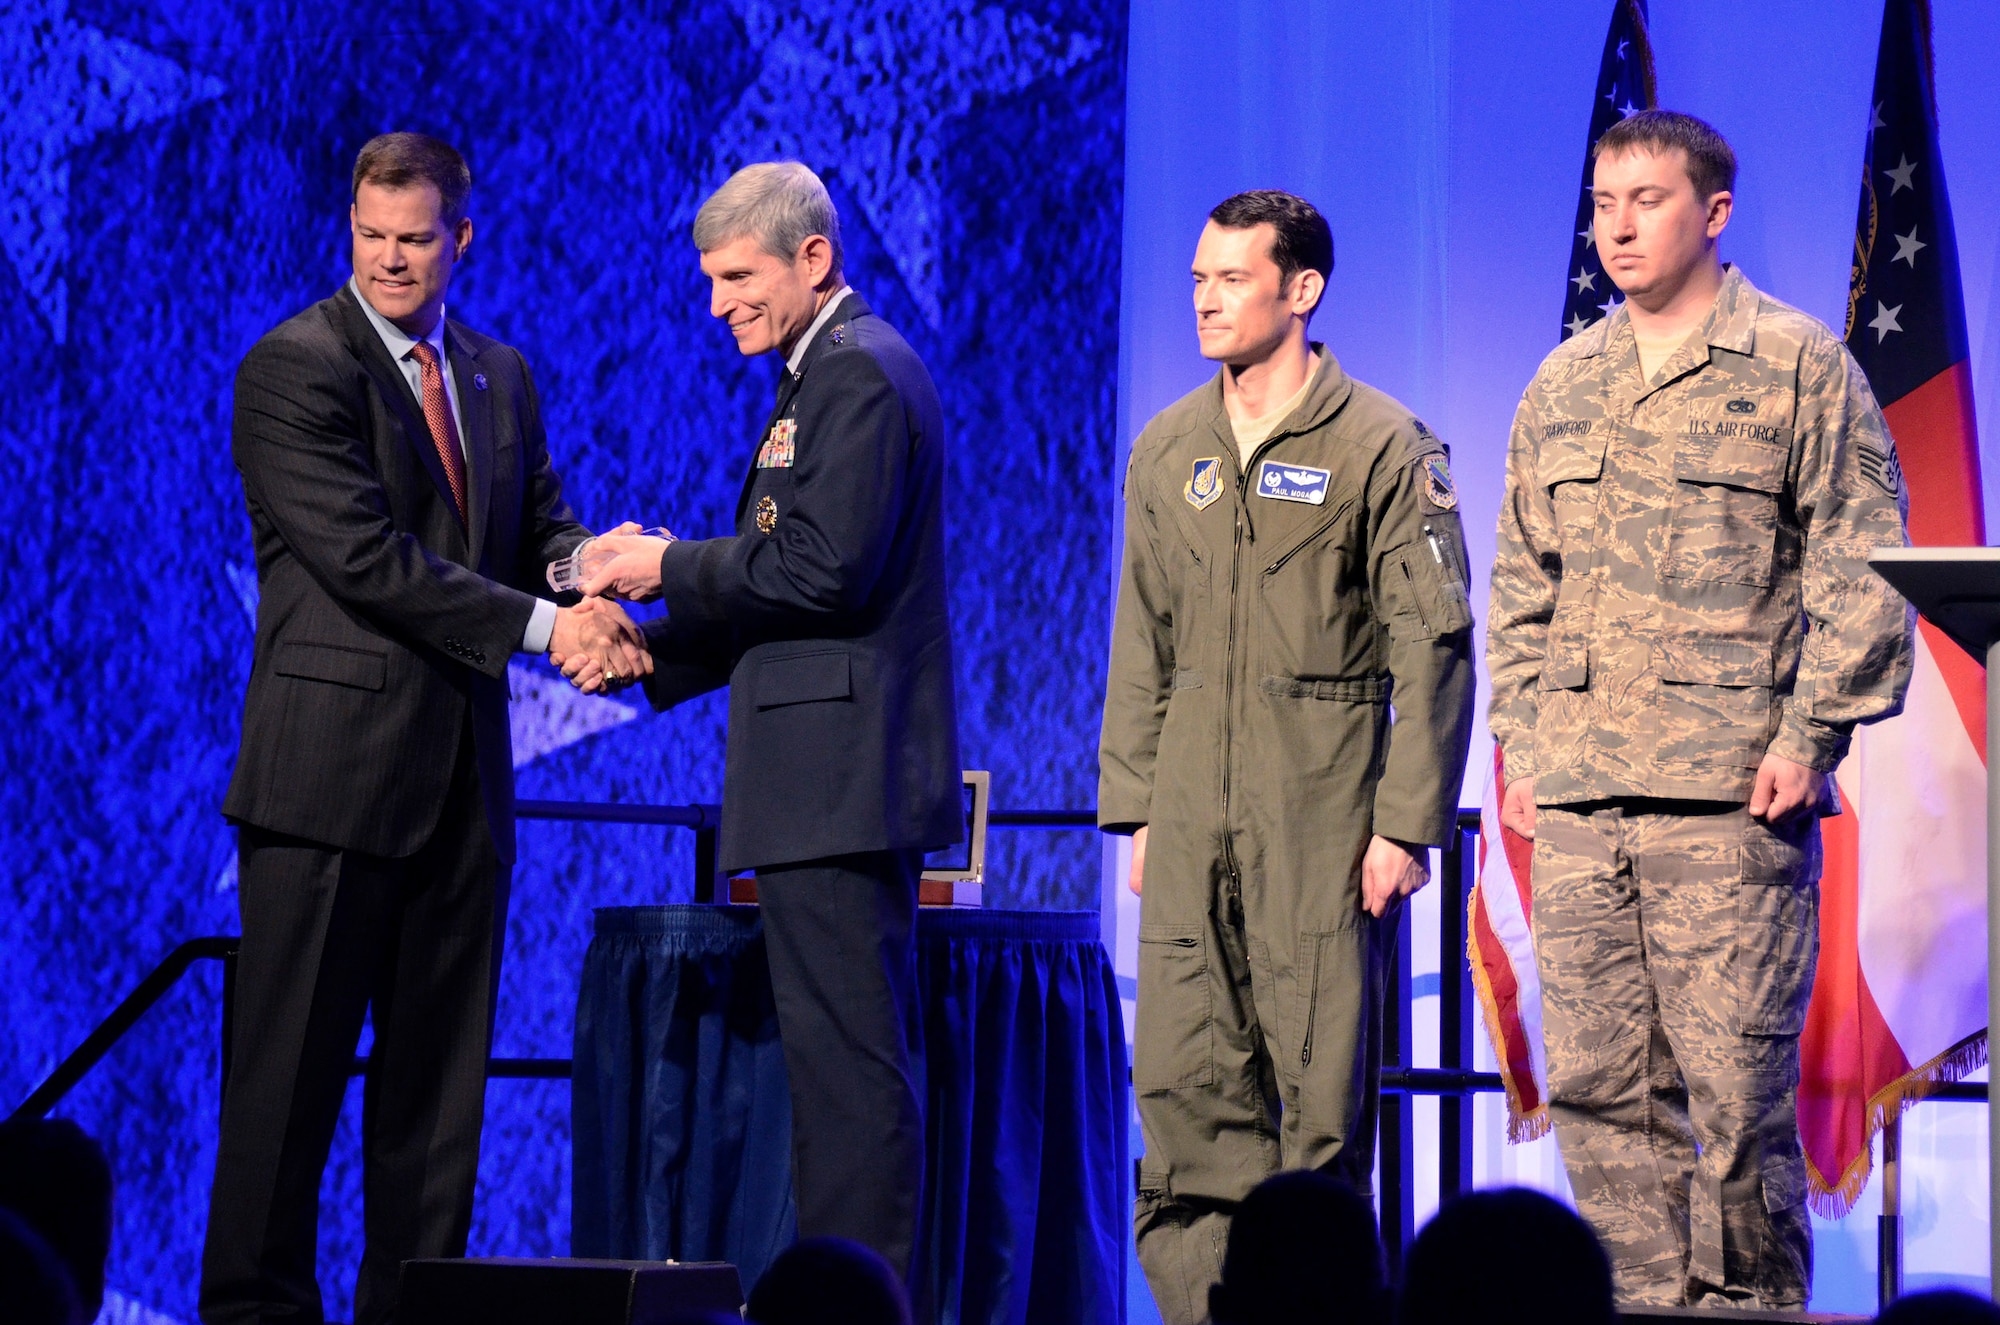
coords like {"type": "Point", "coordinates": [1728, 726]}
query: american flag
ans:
{"type": "Point", "coordinates": [1899, 1003]}
{"type": "Point", "coordinates": [1501, 951]}
{"type": "Point", "coordinates": [1499, 942]}
{"type": "Point", "coordinates": [1624, 87]}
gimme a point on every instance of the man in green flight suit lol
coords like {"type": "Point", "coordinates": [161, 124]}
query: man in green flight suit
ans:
{"type": "Point", "coordinates": [1293, 565]}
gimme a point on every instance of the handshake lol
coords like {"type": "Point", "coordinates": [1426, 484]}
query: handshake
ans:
{"type": "Point", "coordinates": [597, 646]}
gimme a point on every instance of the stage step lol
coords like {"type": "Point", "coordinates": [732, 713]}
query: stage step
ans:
{"type": "Point", "coordinates": [508, 1290]}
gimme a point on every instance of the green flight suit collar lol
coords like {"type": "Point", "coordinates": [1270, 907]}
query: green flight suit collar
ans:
{"type": "Point", "coordinates": [1330, 388]}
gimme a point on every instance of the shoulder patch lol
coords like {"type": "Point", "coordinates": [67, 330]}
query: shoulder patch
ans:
{"type": "Point", "coordinates": [1439, 494]}
{"type": "Point", "coordinates": [1204, 485]}
{"type": "Point", "coordinates": [1881, 466]}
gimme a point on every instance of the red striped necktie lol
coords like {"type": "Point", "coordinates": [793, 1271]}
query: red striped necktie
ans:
{"type": "Point", "coordinates": [444, 432]}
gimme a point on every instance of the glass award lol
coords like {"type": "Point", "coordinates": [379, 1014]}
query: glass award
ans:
{"type": "Point", "coordinates": [572, 572]}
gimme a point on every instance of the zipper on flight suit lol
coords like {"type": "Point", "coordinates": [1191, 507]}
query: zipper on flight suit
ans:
{"type": "Point", "coordinates": [1234, 908]}
{"type": "Point", "coordinates": [1235, 900]}
{"type": "Point", "coordinates": [1312, 1006]}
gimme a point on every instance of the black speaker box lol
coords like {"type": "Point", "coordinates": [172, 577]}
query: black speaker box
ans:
{"type": "Point", "coordinates": [506, 1290]}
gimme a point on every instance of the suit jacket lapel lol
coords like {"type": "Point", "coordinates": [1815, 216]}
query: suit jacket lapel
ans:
{"type": "Point", "coordinates": [374, 358]}
{"type": "Point", "coordinates": [475, 410]}
{"type": "Point", "coordinates": [788, 387]}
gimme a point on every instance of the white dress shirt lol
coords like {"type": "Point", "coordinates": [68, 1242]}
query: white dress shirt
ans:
{"type": "Point", "coordinates": [825, 315]}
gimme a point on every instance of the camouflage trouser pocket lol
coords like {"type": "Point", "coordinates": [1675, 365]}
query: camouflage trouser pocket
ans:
{"type": "Point", "coordinates": [1173, 1041]}
{"type": "Point", "coordinates": [1777, 926]}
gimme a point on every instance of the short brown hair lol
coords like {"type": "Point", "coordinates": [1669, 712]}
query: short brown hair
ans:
{"type": "Point", "coordinates": [400, 160]}
{"type": "Point", "coordinates": [1711, 162]}
{"type": "Point", "coordinates": [1300, 236]}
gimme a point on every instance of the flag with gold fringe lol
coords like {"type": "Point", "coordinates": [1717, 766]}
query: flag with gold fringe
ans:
{"type": "Point", "coordinates": [1899, 1003]}
{"type": "Point", "coordinates": [1500, 945]}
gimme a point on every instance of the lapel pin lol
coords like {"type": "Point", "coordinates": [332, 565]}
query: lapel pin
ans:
{"type": "Point", "coordinates": [479, 381]}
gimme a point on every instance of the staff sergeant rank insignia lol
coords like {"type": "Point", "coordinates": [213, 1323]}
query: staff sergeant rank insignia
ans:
{"type": "Point", "coordinates": [780, 447]}
{"type": "Point", "coordinates": [767, 515]}
{"type": "Point", "coordinates": [1437, 483]}
{"type": "Point", "coordinates": [1205, 485]}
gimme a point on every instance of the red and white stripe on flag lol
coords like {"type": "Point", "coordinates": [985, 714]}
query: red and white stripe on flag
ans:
{"type": "Point", "coordinates": [1500, 948]}
{"type": "Point", "coordinates": [1899, 1003]}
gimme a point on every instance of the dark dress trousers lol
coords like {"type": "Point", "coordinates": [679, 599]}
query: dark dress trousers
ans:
{"type": "Point", "coordinates": [825, 615]}
{"type": "Point", "coordinates": [373, 794]}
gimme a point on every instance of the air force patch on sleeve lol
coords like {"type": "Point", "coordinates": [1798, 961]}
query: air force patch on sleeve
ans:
{"type": "Point", "coordinates": [1437, 483]}
{"type": "Point", "coordinates": [1205, 484]}
{"type": "Point", "coordinates": [1287, 482]}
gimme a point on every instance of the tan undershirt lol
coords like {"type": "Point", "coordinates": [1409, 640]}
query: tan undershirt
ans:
{"type": "Point", "coordinates": [1654, 351]}
{"type": "Point", "coordinates": [1251, 434]}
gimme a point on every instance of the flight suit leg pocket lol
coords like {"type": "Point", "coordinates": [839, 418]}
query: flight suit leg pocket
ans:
{"type": "Point", "coordinates": [1174, 1036]}
{"type": "Point", "coordinates": [1777, 926]}
{"type": "Point", "coordinates": [1332, 1011]}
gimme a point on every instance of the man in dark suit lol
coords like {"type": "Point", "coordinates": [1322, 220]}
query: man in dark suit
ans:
{"type": "Point", "coordinates": [403, 511]}
{"type": "Point", "coordinates": [825, 615]}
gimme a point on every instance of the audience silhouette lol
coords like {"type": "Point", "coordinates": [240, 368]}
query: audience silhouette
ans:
{"type": "Point", "coordinates": [1509, 1256]}
{"type": "Point", "coordinates": [55, 1180]}
{"type": "Point", "coordinates": [828, 1281]}
{"type": "Point", "coordinates": [1303, 1250]}
{"type": "Point", "coordinates": [1940, 1306]}
{"type": "Point", "coordinates": [34, 1283]}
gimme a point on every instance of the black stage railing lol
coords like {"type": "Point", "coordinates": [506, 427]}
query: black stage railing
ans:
{"type": "Point", "coordinates": [1453, 1081]}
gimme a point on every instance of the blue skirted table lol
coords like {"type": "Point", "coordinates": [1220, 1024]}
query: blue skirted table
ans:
{"type": "Point", "coordinates": [682, 1118]}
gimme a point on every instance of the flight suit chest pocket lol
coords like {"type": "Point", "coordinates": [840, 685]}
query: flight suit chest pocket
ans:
{"type": "Point", "coordinates": [1727, 496]}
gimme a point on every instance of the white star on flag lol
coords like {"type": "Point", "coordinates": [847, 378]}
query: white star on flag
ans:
{"type": "Point", "coordinates": [1576, 324]}
{"type": "Point", "coordinates": [1585, 279]}
{"type": "Point", "coordinates": [1875, 120]}
{"type": "Point", "coordinates": [1621, 48]}
{"type": "Point", "coordinates": [1885, 320]}
{"type": "Point", "coordinates": [1901, 174]}
{"type": "Point", "coordinates": [1609, 304]}
{"type": "Point", "coordinates": [1906, 249]}
{"type": "Point", "coordinates": [1627, 111]}
{"type": "Point", "coordinates": [1588, 236]}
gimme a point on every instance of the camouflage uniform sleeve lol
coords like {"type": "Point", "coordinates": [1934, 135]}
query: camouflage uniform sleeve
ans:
{"type": "Point", "coordinates": [1521, 598]}
{"type": "Point", "coordinates": [1141, 675]}
{"type": "Point", "coordinates": [1417, 580]}
{"type": "Point", "coordinates": [1855, 664]}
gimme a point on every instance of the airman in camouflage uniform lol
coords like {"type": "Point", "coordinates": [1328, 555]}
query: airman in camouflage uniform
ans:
{"type": "Point", "coordinates": [1680, 593]}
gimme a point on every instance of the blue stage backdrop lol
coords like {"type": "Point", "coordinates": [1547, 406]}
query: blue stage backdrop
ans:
{"type": "Point", "coordinates": [175, 183]}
